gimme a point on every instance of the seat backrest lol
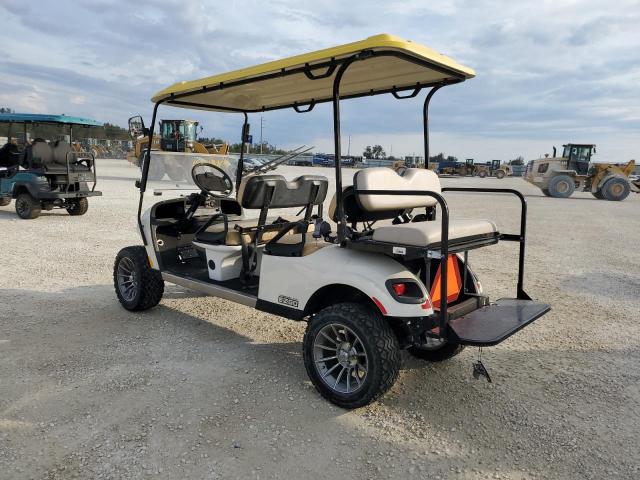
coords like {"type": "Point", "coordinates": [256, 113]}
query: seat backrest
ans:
{"type": "Point", "coordinates": [60, 150]}
{"type": "Point", "coordinates": [383, 178]}
{"type": "Point", "coordinates": [39, 153]}
{"type": "Point", "coordinates": [274, 191]}
{"type": "Point", "coordinates": [354, 214]}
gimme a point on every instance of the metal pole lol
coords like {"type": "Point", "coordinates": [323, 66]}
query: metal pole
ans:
{"type": "Point", "coordinates": [425, 123]}
{"type": "Point", "coordinates": [337, 147]}
{"type": "Point", "coordinates": [145, 172]}
{"type": "Point", "coordinates": [240, 168]}
{"type": "Point", "coordinates": [261, 122]}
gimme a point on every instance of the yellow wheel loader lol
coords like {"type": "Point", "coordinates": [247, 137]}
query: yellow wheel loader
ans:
{"type": "Point", "coordinates": [178, 136]}
{"type": "Point", "coordinates": [560, 176]}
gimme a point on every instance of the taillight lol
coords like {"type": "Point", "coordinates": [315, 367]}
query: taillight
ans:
{"type": "Point", "coordinates": [405, 290]}
{"type": "Point", "coordinates": [399, 288]}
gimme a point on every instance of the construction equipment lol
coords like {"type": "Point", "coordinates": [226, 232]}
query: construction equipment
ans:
{"type": "Point", "coordinates": [494, 168]}
{"type": "Point", "coordinates": [455, 168]}
{"type": "Point", "coordinates": [175, 136]}
{"type": "Point", "coordinates": [560, 176]}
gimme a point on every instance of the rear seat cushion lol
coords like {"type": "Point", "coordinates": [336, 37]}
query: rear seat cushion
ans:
{"type": "Point", "coordinates": [422, 234]}
{"type": "Point", "coordinates": [383, 178]}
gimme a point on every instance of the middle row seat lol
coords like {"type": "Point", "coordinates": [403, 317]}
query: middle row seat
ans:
{"type": "Point", "coordinates": [265, 192]}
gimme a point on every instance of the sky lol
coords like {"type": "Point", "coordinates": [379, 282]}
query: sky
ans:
{"type": "Point", "coordinates": [548, 72]}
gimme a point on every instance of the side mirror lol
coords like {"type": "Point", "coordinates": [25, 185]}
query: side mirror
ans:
{"type": "Point", "coordinates": [246, 128]}
{"type": "Point", "coordinates": [145, 132]}
{"type": "Point", "coordinates": [138, 184]}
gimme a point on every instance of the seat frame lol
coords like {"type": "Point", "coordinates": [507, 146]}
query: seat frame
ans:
{"type": "Point", "coordinates": [445, 247]}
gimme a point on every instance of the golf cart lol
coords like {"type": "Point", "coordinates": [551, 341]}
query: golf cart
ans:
{"type": "Point", "coordinates": [45, 175]}
{"type": "Point", "coordinates": [390, 276]}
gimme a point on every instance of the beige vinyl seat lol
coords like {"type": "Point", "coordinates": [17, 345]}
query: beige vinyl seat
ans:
{"type": "Point", "coordinates": [216, 233]}
{"type": "Point", "coordinates": [364, 207]}
{"type": "Point", "coordinates": [263, 192]}
{"type": "Point", "coordinates": [422, 234]}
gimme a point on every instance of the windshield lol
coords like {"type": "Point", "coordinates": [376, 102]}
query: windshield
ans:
{"type": "Point", "coordinates": [580, 154]}
{"type": "Point", "coordinates": [170, 172]}
{"type": "Point", "coordinates": [179, 130]}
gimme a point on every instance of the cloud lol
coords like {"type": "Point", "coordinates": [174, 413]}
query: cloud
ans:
{"type": "Point", "coordinates": [552, 71]}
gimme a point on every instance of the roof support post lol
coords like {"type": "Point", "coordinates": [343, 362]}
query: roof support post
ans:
{"type": "Point", "coordinates": [425, 123]}
{"type": "Point", "coordinates": [146, 159]}
{"type": "Point", "coordinates": [337, 140]}
{"type": "Point", "coordinates": [240, 167]}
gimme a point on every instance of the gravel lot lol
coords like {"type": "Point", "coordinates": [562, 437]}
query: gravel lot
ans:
{"type": "Point", "coordinates": [203, 388]}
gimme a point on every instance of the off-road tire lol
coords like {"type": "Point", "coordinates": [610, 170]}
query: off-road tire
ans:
{"type": "Point", "coordinates": [149, 282]}
{"type": "Point", "coordinates": [562, 186]}
{"type": "Point", "coordinates": [482, 174]}
{"type": "Point", "coordinates": [500, 174]}
{"type": "Point", "coordinates": [4, 202]}
{"type": "Point", "coordinates": [447, 351]}
{"type": "Point", "coordinates": [378, 341]}
{"type": "Point", "coordinates": [616, 189]}
{"type": "Point", "coordinates": [598, 195]}
{"type": "Point", "coordinates": [27, 207]}
{"type": "Point", "coordinates": [78, 206]}
{"type": "Point", "coordinates": [546, 192]}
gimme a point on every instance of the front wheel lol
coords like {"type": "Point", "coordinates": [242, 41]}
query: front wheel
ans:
{"type": "Point", "coordinates": [138, 286]}
{"type": "Point", "coordinates": [27, 207]}
{"type": "Point", "coordinates": [78, 206]}
{"type": "Point", "coordinates": [616, 189]}
{"type": "Point", "coordinates": [351, 354]}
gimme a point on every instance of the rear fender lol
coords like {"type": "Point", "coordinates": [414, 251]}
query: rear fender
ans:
{"type": "Point", "coordinates": [294, 280]}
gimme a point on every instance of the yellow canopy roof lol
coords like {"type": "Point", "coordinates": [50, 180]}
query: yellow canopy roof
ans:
{"type": "Point", "coordinates": [394, 65]}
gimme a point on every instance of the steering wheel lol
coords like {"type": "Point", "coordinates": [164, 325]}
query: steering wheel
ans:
{"type": "Point", "coordinates": [212, 180]}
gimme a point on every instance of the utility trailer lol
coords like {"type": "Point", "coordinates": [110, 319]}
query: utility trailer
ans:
{"type": "Point", "coordinates": [384, 269]}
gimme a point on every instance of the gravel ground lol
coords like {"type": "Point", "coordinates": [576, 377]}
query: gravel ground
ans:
{"type": "Point", "coordinates": [203, 388]}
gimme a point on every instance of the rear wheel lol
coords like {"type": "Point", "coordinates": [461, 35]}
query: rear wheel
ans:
{"type": "Point", "coordinates": [5, 201]}
{"type": "Point", "coordinates": [482, 174]}
{"type": "Point", "coordinates": [561, 186]}
{"type": "Point", "coordinates": [27, 207]}
{"type": "Point", "coordinates": [138, 286]}
{"type": "Point", "coordinates": [351, 354]}
{"type": "Point", "coordinates": [435, 350]}
{"type": "Point", "coordinates": [500, 174]}
{"type": "Point", "coordinates": [546, 192]}
{"type": "Point", "coordinates": [616, 189]}
{"type": "Point", "coordinates": [78, 206]}
{"type": "Point", "coordinates": [598, 195]}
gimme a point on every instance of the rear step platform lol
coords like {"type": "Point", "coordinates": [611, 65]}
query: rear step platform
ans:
{"type": "Point", "coordinates": [492, 324]}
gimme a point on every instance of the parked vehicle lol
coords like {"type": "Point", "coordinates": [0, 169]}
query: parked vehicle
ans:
{"type": "Point", "coordinates": [561, 176]}
{"type": "Point", "coordinates": [366, 290]}
{"type": "Point", "coordinates": [43, 175]}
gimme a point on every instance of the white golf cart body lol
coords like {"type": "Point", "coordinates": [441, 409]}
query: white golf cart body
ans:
{"type": "Point", "coordinates": [377, 243]}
